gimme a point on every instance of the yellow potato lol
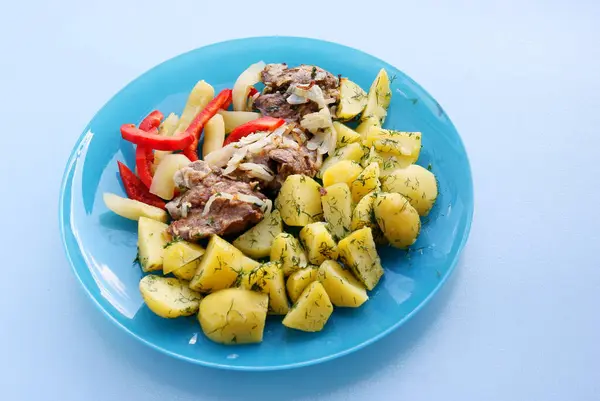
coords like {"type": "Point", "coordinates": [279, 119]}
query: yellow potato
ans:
{"type": "Point", "coordinates": [152, 239]}
{"type": "Point", "coordinates": [220, 266]}
{"type": "Point", "coordinates": [345, 134]}
{"type": "Point", "coordinates": [299, 201]}
{"type": "Point", "coordinates": [169, 297]}
{"type": "Point", "coordinates": [358, 252]}
{"type": "Point", "coordinates": [182, 258]}
{"type": "Point", "coordinates": [379, 97]}
{"type": "Point", "coordinates": [311, 311]}
{"type": "Point", "coordinates": [286, 249]}
{"type": "Point", "coordinates": [343, 288]}
{"type": "Point", "coordinates": [366, 182]}
{"type": "Point", "coordinates": [166, 128]}
{"type": "Point", "coordinates": [234, 119]}
{"type": "Point", "coordinates": [268, 278]}
{"type": "Point", "coordinates": [353, 100]}
{"type": "Point", "coordinates": [234, 316]}
{"type": "Point", "coordinates": [132, 209]}
{"type": "Point", "coordinates": [388, 162]}
{"type": "Point", "coordinates": [241, 88]}
{"type": "Point", "coordinates": [405, 145]}
{"type": "Point", "coordinates": [201, 94]}
{"type": "Point", "coordinates": [163, 184]}
{"type": "Point", "coordinates": [365, 126]}
{"type": "Point", "coordinates": [398, 220]}
{"type": "Point", "coordinates": [364, 216]}
{"type": "Point", "coordinates": [415, 183]}
{"type": "Point", "coordinates": [299, 280]}
{"type": "Point", "coordinates": [318, 242]}
{"type": "Point", "coordinates": [345, 171]}
{"type": "Point", "coordinates": [256, 242]}
{"type": "Point", "coordinates": [214, 134]}
{"type": "Point", "coordinates": [353, 152]}
{"type": "Point", "coordinates": [337, 209]}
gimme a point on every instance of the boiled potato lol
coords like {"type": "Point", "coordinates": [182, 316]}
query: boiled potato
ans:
{"type": "Point", "coordinates": [364, 216]}
{"type": "Point", "coordinates": [132, 209]}
{"type": "Point", "coordinates": [337, 209]}
{"type": "Point", "coordinates": [366, 182]}
{"type": "Point", "coordinates": [415, 183]}
{"type": "Point", "coordinates": [214, 134]}
{"type": "Point", "coordinates": [311, 311]}
{"type": "Point", "coordinates": [152, 239]}
{"type": "Point", "coordinates": [241, 88]}
{"type": "Point", "coordinates": [201, 94]}
{"type": "Point", "coordinates": [318, 242]}
{"type": "Point", "coordinates": [299, 201]}
{"type": "Point", "coordinates": [353, 152]}
{"type": "Point", "coordinates": [379, 97]}
{"type": "Point", "coordinates": [345, 171]}
{"type": "Point", "coordinates": [299, 280]}
{"type": "Point", "coordinates": [343, 288]}
{"type": "Point", "coordinates": [398, 220]}
{"type": "Point", "coordinates": [358, 252]}
{"type": "Point", "coordinates": [353, 100]}
{"type": "Point", "coordinates": [182, 258]}
{"type": "Point", "coordinates": [169, 297]}
{"type": "Point", "coordinates": [345, 134]}
{"type": "Point", "coordinates": [287, 250]}
{"type": "Point", "coordinates": [163, 184]}
{"type": "Point", "coordinates": [234, 119]}
{"type": "Point", "coordinates": [388, 162]}
{"type": "Point", "coordinates": [256, 242]}
{"type": "Point", "coordinates": [405, 145]}
{"type": "Point", "coordinates": [365, 126]}
{"type": "Point", "coordinates": [166, 128]}
{"type": "Point", "coordinates": [220, 266]}
{"type": "Point", "coordinates": [268, 278]}
{"type": "Point", "coordinates": [234, 316]}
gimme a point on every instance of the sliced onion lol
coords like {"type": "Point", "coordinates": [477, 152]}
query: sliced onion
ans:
{"type": "Point", "coordinates": [295, 99]}
{"type": "Point", "coordinates": [258, 171]}
{"type": "Point", "coordinates": [241, 88]}
{"type": "Point", "coordinates": [214, 197]}
{"type": "Point", "coordinates": [250, 199]}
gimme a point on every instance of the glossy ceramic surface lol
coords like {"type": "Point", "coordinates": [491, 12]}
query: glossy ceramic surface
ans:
{"type": "Point", "coordinates": [102, 246]}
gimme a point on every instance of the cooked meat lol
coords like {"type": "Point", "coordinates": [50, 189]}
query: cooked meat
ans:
{"type": "Point", "coordinates": [200, 182]}
{"type": "Point", "coordinates": [292, 161]}
{"type": "Point", "coordinates": [276, 105]}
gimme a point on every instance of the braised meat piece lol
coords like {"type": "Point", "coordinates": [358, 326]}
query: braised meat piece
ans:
{"type": "Point", "coordinates": [228, 214]}
{"type": "Point", "coordinates": [292, 161]}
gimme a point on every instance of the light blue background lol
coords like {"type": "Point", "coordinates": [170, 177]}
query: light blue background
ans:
{"type": "Point", "coordinates": [517, 321]}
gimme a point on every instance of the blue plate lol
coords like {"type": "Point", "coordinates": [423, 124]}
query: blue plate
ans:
{"type": "Point", "coordinates": [101, 246]}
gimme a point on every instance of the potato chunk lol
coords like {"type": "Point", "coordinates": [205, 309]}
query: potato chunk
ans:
{"type": "Point", "coordinates": [152, 238]}
{"type": "Point", "coordinates": [341, 286]}
{"type": "Point", "coordinates": [365, 126]}
{"type": "Point", "coordinates": [415, 183]}
{"type": "Point", "coordinates": [233, 119]}
{"type": "Point", "coordinates": [318, 242]}
{"type": "Point", "coordinates": [257, 241]}
{"type": "Point", "coordinates": [364, 216]}
{"type": "Point", "coordinates": [379, 97]}
{"type": "Point", "coordinates": [358, 252]}
{"type": "Point", "coordinates": [337, 209]}
{"type": "Point", "coordinates": [299, 280]}
{"type": "Point", "coordinates": [405, 145]}
{"type": "Point", "coordinates": [220, 266]}
{"type": "Point", "coordinates": [353, 152]}
{"type": "Point", "coordinates": [366, 182]}
{"type": "Point", "coordinates": [287, 250]}
{"type": "Point", "coordinates": [311, 311]}
{"type": "Point", "coordinates": [353, 100]}
{"type": "Point", "coordinates": [132, 209]}
{"type": "Point", "coordinates": [345, 171]}
{"type": "Point", "coordinates": [234, 316]}
{"type": "Point", "coordinates": [345, 134]}
{"type": "Point", "coordinates": [299, 201]}
{"type": "Point", "coordinates": [268, 278]}
{"type": "Point", "coordinates": [169, 297]}
{"type": "Point", "coordinates": [398, 220]}
{"type": "Point", "coordinates": [182, 258]}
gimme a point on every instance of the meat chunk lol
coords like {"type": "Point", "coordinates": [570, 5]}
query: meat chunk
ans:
{"type": "Point", "coordinates": [292, 161]}
{"type": "Point", "coordinates": [226, 216]}
{"type": "Point", "coordinates": [276, 105]}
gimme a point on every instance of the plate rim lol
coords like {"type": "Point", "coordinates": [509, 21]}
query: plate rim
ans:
{"type": "Point", "coordinates": [73, 158]}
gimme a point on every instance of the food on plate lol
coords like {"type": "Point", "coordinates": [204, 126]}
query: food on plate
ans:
{"type": "Point", "coordinates": [256, 242]}
{"type": "Point", "coordinates": [299, 280]}
{"type": "Point", "coordinates": [311, 311]}
{"type": "Point", "coordinates": [169, 297]}
{"type": "Point", "coordinates": [234, 316]}
{"type": "Point", "coordinates": [286, 249]}
{"type": "Point", "coordinates": [343, 289]}
{"type": "Point", "coordinates": [297, 185]}
{"type": "Point", "coordinates": [398, 220]}
{"type": "Point", "coordinates": [152, 239]}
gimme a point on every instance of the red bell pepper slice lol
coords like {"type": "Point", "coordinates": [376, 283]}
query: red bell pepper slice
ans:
{"type": "Point", "coordinates": [135, 188]}
{"type": "Point", "coordinates": [253, 91]}
{"type": "Point", "coordinates": [221, 101]}
{"type": "Point", "coordinates": [151, 139]}
{"type": "Point", "coordinates": [261, 124]}
{"type": "Point", "coordinates": [144, 157]}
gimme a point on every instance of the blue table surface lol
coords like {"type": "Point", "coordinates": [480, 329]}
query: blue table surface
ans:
{"type": "Point", "coordinates": [517, 321]}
